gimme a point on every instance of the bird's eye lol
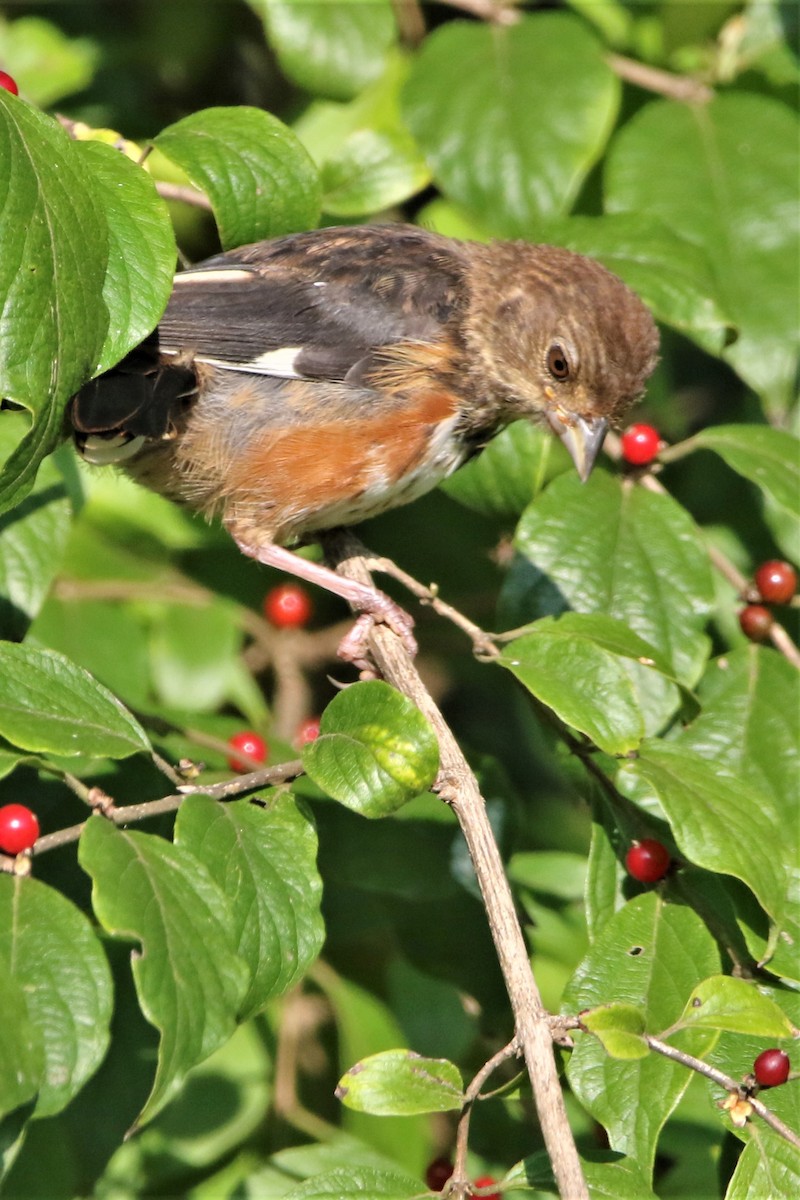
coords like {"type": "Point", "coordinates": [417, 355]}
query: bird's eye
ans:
{"type": "Point", "coordinates": [558, 363]}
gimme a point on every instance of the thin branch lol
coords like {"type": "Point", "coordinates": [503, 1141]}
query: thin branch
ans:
{"type": "Point", "coordinates": [184, 193]}
{"type": "Point", "coordinates": [663, 83]}
{"type": "Point", "coordinates": [458, 786]}
{"type": "Point", "coordinates": [472, 1094]}
{"type": "Point", "coordinates": [499, 12]}
{"type": "Point", "coordinates": [130, 814]}
{"type": "Point", "coordinates": [727, 1082]}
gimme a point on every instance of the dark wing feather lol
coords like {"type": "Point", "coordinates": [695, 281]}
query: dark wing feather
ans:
{"type": "Point", "coordinates": [335, 293]}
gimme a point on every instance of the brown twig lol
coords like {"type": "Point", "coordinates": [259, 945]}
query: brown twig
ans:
{"type": "Point", "coordinates": [663, 83]}
{"type": "Point", "coordinates": [132, 813]}
{"type": "Point", "coordinates": [725, 1081]}
{"type": "Point", "coordinates": [184, 193]}
{"type": "Point", "coordinates": [472, 1094]}
{"type": "Point", "coordinates": [458, 786]}
{"type": "Point", "coordinates": [499, 12]}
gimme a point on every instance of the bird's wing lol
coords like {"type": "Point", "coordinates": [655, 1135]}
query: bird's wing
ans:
{"type": "Point", "coordinates": [314, 305]}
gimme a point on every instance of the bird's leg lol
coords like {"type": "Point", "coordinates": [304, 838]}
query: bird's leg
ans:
{"type": "Point", "coordinates": [373, 604]}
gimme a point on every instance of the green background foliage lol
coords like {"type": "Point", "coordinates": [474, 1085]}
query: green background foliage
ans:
{"type": "Point", "coordinates": [206, 980]}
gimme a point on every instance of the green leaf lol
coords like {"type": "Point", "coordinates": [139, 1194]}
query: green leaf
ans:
{"type": "Point", "coordinates": [189, 978]}
{"type": "Point", "coordinates": [769, 457]}
{"type": "Point", "coordinates": [606, 547]}
{"type": "Point", "coordinates": [401, 1083]}
{"type": "Point", "coordinates": [21, 1049]}
{"type": "Point", "coordinates": [649, 955]}
{"type": "Point", "coordinates": [671, 274]}
{"type": "Point", "coordinates": [54, 319]}
{"type": "Point", "coordinates": [32, 539]}
{"type": "Point", "coordinates": [718, 821]}
{"type": "Point", "coordinates": [141, 244]}
{"type": "Point", "coordinates": [375, 750]}
{"type": "Point", "coordinates": [727, 148]}
{"type": "Point", "coordinates": [619, 1028]}
{"type": "Point", "coordinates": [508, 474]}
{"type": "Point", "coordinates": [529, 104]}
{"type": "Point", "coordinates": [50, 951]}
{"type": "Point", "coordinates": [552, 872]}
{"type": "Point", "coordinates": [263, 857]}
{"type": "Point", "coordinates": [258, 177]}
{"type": "Point", "coordinates": [737, 1006]}
{"type": "Point", "coordinates": [50, 705]}
{"type": "Point", "coordinates": [574, 665]}
{"type": "Point", "coordinates": [329, 49]}
{"type": "Point", "coordinates": [768, 1166]}
{"type": "Point", "coordinates": [359, 1181]}
{"type": "Point", "coordinates": [748, 726]}
{"type": "Point", "coordinates": [45, 63]}
{"type": "Point", "coordinates": [374, 169]}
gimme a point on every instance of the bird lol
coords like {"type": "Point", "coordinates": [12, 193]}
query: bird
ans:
{"type": "Point", "coordinates": [320, 378]}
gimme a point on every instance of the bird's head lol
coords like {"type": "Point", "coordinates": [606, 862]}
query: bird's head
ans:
{"type": "Point", "coordinates": [562, 340]}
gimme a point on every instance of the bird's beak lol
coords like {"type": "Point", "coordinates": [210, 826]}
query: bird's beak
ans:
{"type": "Point", "coordinates": [582, 436]}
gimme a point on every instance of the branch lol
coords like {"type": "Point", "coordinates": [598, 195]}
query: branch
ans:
{"type": "Point", "coordinates": [470, 1096]}
{"type": "Point", "coordinates": [458, 787]}
{"type": "Point", "coordinates": [725, 1081]}
{"type": "Point", "coordinates": [663, 83]}
{"type": "Point", "coordinates": [132, 813]}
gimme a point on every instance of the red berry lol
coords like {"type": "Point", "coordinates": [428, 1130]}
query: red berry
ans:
{"type": "Point", "coordinates": [250, 744]}
{"type": "Point", "coordinates": [438, 1173]}
{"type": "Point", "coordinates": [487, 1181]}
{"type": "Point", "coordinates": [647, 860]}
{"type": "Point", "coordinates": [19, 828]}
{"type": "Point", "coordinates": [8, 83]}
{"type": "Point", "coordinates": [776, 582]}
{"type": "Point", "coordinates": [307, 731]}
{"type": "Point", "coordinates": [772, 1067]}
{"type": "Point", "coordinates": [755, 622]}
{"type": "Point", "coordinates": [288, 606]}
{"type": "Point", "coordinates": [640, 444]}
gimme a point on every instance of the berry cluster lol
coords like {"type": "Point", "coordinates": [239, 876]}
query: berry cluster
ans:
{"type": "Point", "coordinates": [776, 583]}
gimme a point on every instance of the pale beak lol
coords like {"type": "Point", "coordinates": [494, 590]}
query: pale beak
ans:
{"type": "Point", "coordinates": [582, 436]}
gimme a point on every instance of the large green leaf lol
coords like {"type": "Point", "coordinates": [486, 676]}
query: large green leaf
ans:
{"type": "Point", "coordinates": [258, 177]}
{"type": "Point", "coordinates": [749, 725]}
{"type": "Point", "coordinates": [189, 976]}
{"type": "Point", "coordinates": [740, 154]}
{"type": "Point", "coordinates": [53, 257]}
{"type": "Point", "coordinates": [375, 750]}
{"type": "Point", "coordinates": [512, 118]}
{"type": "Point", "coordinates": [718, 821]}
{"type": "Point", "coordinates": [649, 955]}
{"type": "Point", "coordinates": [401, 1083]}
{"type": "Point", "coordinates": [330, 49]}
{"type": "Point", "coordinates": [263, 857]}
{"type": "Point", "coordinates": [577, 665]}
{"type": "Point", "coordinates": [52, 954]}
{"type": "Point", "coordinates": [141, 248]}
{"type": "Point", "coordinates": [604, 546]}
{"type": "Point", "coordinates": [770, 457]}
{"type": "Point", "coordinates": [50, 705]}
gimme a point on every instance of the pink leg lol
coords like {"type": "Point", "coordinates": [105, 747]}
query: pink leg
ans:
{"type": "Point", "coordinates": [373, 604]}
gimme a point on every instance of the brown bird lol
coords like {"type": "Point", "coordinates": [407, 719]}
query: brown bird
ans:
{"type": "Point", "coordinates": [313, 381]}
